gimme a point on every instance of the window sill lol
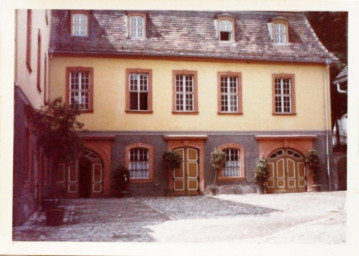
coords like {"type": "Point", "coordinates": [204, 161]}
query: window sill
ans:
{"type": "Point", "coordinates": [284, 114]}
{"type": "Point", "coordinates": [230, 113]}
{"type": "Point", "coordinates": [79, 36]}
{"type": "Point", "coordinates": [89, 111]}
{"type": "Point", "coordinates": [230, 178]}
{"type": "Point", "coordinates": [141, 181]}
{"type": "Point", "coordinates": [185, 113]}
{"type": "Point", "coordinates": [139, 111]}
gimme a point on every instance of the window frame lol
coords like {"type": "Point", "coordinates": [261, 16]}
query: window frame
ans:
{"type": "Point", "coordinates": [28, 39]}
{"type": "Point", "coordinates": [137, 14]}
{"type": "Point", "coordinates": [280, 21]}
{"type": "Point", "coordinates": [242, 172]}
{"type": "Point", "coordinates": [232, 35]}
{"type": "Point", "coordinates": [292, 94]}
{"type": "Point", "coordinates": [239, 93]}
{"type": "Point", "coordinates": [151, 156]}
{"type": "Point", "coordinates": [195, 91]}
{"type": "Point", "coordinates": [149, 97]}
{"type": "Point", "coordinates": [87, 14]}
{"type": "Point", "coordinates": [91, 86]}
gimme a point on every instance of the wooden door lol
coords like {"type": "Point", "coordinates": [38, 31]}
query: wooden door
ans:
{"type": "Point", "coordinates": [286, 172]}
{"type": "Point", "coordinates": [185, 180]}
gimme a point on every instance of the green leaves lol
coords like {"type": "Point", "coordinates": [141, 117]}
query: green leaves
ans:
{"type": "Point", "coordinates": [218, 159]}
{"type": "Point", "coordinates": [56, 127]}
{"type": "Point", "coordinates": [261, 171]}
{"type": "Point", "coordinates": [171, 160]}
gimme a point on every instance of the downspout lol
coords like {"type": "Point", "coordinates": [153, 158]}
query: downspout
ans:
{"type": "Point", "coordinates": [327, 121]}
{"type": "Point", "coordinates": [340, 90]}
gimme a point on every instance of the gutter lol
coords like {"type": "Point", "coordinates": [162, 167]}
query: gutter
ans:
{"type": "Point", "coordinates": [326, 83]}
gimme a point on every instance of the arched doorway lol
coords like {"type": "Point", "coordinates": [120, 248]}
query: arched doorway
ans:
{"type": "Point", "coordinates": [186, 178]}
{"type": "Point", "coordinates": [286, 171]}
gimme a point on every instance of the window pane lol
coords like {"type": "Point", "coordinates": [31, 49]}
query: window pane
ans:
{"type": "Point", "coordinates": [232, 167]}
{"type": "Point", "coordinates": [143, 101]}
{"type": "Point", "coordinates": [133, 101]}
{"type": "Point", "coordinates": [139, 166]}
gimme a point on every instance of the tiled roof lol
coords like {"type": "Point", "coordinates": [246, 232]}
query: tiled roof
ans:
{"type": "Point", "coordinates": [189, 34]}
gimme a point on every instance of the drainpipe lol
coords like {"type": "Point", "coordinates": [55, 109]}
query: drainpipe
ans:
{"type": "Point", "coordinates": [327, 121]}
{"type": "Point", "coordinates": [340, 90]}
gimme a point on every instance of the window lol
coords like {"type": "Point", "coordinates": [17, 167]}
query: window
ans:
{"type": "Point", "coordinates": [225, 30]}
{"type": "Point", "coordinates": [280, 33]}
{"type": "Point", "coordinates": [28, 155]}
{"type": "Point", "coordinates": [139, 90]}
{"type": "Point", "coordinates": [28, 40]}
{"type": "Point", "coordinates": [79, 23]}
{"type": "Point", "coordinates": [185, 92]}
{"type": "Point", "coordinates": [38, 73]}
{"type": "Point", "coordinates": [137, 25]}
{"type": "Point", "coordinates": [80, 88]}
{"type": "Point", "coordinates": [234, 167]}
{"type": "Point", "coordinates": [229, 93]}
{"type": "Point", "coordinates": [284, 94]}
{"type": "Point", "coordinates": [139, 161]}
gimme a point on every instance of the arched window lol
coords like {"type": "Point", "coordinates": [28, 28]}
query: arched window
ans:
{"type": "Point", "coordinates": [139, 161]}
{"type": "Point", "coordinates": [234, 167]}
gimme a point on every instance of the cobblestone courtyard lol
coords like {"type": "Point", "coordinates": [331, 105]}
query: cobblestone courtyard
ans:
{"type": "Point", "coordinates": [279, 218]}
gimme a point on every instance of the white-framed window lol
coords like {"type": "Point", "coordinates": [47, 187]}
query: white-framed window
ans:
{"type": "Point", "coordinates": [80, 89]}
{"type": "Point", "coordinates": [137, 27]}
{"type": "Point", "coordinates": [280, 33]}
{"type": "Point", "coordinates": [185, 93]}
{"type": "Point", "coordinates": [79, 24]}
{"type": "Point", "coordinates": [139, 91]}
{"type": "Point", "coordinates": [283, 95]}
{"type": "Point", "coordinates": [233, 163]}
{"type": "Point", "coordinates": [229, 94]}
{"type": "Point", "coordinates": [139, 163]}
{"type": "Point", "coordinates": [225, 30]}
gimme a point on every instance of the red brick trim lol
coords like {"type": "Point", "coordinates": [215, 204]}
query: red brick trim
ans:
{"type": "Point", "coordinates": [91, 86]}
{"type": "Point", "coordinates": [151, 156]}
{"type": "Point", "coordinates": [195, 91]}
{"type": "Point", "coordinates": [242, 171]}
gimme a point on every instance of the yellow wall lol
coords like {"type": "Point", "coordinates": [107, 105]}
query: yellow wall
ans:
{"type": "Point", "coordinates": [109, 95]}
{"type": "Point", "coordinates": [23, 78]}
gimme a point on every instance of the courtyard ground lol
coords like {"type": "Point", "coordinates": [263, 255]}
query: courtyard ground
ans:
{"type": "Point", "coordinates": [314, 218]}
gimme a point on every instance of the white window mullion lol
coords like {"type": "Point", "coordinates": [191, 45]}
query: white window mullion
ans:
{"type": "Point", "coordinates": [138, 90]}
{"type": "Point", "coordinates": [228, 83]}
{"type": "Point", "coordinates": [184, 93]}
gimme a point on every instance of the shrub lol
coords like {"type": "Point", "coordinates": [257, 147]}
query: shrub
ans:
{"type": "Point", "coordinates": [171, 160]}
{"type": "Point", "coordinates": [261, 172]}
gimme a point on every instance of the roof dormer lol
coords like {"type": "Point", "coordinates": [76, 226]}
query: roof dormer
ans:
{"type": "Point", "coordinates": [278, 30]}
{"type": "Point", "coordinates": [80, 23]}
{"type": "Point", "coordinates": [225, 27]}
{"type": "Point", "coordinates": [136, 25]}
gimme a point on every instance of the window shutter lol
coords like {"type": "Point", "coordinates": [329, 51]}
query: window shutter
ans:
{"type": "Point", "coordinates": [216, 29]}
{"type": "Point", "coordinates": [270, 29]}
{"type": "Point", "coordinates": [125, 19]}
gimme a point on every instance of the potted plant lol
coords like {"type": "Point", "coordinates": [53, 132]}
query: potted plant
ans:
{"type": "Point", "coordinates": [261, 174]}
{"type": "Point", "coordinates": [56, 130]}
{"type": "Point", "coordinates": [312, 162]}
{"type": "Point", "coordinates": [218, 161]}
{"type": "Point", "coordinates": [171, 160]}
{"type": "Point", "coordinates": [121, 178]}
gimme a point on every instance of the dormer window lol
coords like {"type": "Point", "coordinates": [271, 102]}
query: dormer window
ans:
{"type": "Point", "coordinates": [225, 27]}
{"type": "Point", "coordinates": [79, 23]}
{"type": "Point", "coordinates": [137, 25]}
{"type": "Point", "coordinates": [279, 30]}
{"type": "Point", "coordinates": [225, 30]}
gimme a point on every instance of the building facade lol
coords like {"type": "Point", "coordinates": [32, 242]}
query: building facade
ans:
{"type": "Point", "coordinates": [254, 84]}
{"type": "Point", "coordinates": [32, 34]}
